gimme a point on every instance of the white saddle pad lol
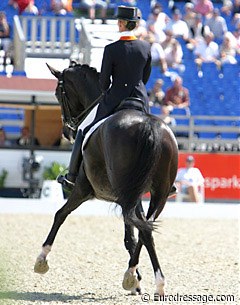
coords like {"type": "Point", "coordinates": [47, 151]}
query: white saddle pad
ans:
{"type": "Point", "coordinates": [91, 130]}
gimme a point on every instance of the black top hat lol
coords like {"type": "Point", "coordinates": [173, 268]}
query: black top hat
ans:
{"type": "Point", "coordinates": [127, 13]}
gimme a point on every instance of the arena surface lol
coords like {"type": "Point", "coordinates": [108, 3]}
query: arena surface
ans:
{"type": "Point", "coordinates": [197, 246]}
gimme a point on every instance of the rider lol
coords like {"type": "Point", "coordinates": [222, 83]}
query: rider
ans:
{"type": "Point", "coordinates": [126, 67]}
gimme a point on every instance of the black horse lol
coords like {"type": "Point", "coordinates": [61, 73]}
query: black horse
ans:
{"type": "Point", "coordinates": [130, 154]}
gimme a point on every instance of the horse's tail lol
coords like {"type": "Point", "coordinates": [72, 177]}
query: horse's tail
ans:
{"type": "Point", "coordinates": [139, 175]}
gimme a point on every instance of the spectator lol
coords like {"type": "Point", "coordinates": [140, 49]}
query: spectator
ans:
{"type": "Point", "coordinates": [5, 40]}
{"type": "Point", "coordinates": [91, 5]}
{"type": "Point", "coordinates": [236, 34]}
{"type": "Point", "coordinates": [24, 6]}
{"type": "Point", "coordinates": [3, 138]}
{"type": "Point", "coordinates": [178, 26]}
{"type": "Point", "coordinates": [61, 7]}
{"type": "Point", "coordinates": [189, 16]}
{"type": "Point", "coordinates": [206, 50]}
{"type": "Point", "coordinates": [156, 22]}
{"type": "Point", "coordinates": [172, 50]}
{"type": "Point", "coordinates": [203, 7]}
{"type": "Point", "coordinates": [217, 24]}
{"type": "Point", "coordinates": [227, 8]}
{"type": "Point", "coordinates": [167, 118]}
{"type": "Point", "coordinates": [190, 179]}
{"type": "Point", "coordinates": [156, 94]}
{"type": "Point", "coordinates": [228, 49]}
{"type": "Point", "coordinates": [235, 7]}
{"type": "Point", "coordinates": [158, 17]}
{"type": "Point", "coordinates": [141, 28]}
{"type": "Point", "coordinates": [157, 53]}
{"type": "Point", "coordinates": [177, 96]}
{"type": "Point", "coordinates": [197, 32]}
{"type": "Point", "coordinates": [25, 138]}
{"type": "Point", "coordinates": [236, 21]}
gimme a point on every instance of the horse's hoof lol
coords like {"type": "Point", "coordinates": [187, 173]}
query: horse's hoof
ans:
{"type": "Point", "coordinates": [130, 281]}
{"type": "Point", "coordinates": [41, 266]}
{"type": "Point", "coordinates": [136, 291]}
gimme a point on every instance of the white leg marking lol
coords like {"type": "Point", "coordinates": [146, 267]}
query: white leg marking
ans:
{"type": "Point", "coordinates": [160, 283]}
{"type": "Point", "coordinates": [45, 251]}
{"type": "Point", "coordinates": [130, 281]}
{"type": "Point", "coordinates": [41, 265]}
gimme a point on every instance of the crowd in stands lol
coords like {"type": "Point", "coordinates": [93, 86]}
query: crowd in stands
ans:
{"type": "Point", "coordinates": [186, 34]}
{"type": "Point", "coordinates": [180, 33]}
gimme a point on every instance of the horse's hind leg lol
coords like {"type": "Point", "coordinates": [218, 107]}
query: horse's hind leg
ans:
{"type": "Point", "coordinates": [146, 239]}
{"type": "Point", "coordinates": [132, 276]}
{"type": "Point", "coordinates": [82, 192]}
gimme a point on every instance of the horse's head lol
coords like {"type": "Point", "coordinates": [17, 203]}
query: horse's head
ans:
{"type": "Point", "coordinates": [78, 87]}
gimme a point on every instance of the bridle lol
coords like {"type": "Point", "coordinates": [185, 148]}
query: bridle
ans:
{"type": "Point", "coordinates": [68, 119]}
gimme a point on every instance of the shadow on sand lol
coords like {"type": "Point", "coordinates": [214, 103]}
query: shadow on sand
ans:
{"type": "Point", "coordinates": [49, 297]}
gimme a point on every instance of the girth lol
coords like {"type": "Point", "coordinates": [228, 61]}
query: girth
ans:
{"type": "Point", "coordinates": [132, 103]}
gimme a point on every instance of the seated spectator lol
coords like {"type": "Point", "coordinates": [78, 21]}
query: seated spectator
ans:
{"type": "Point", "coordinates": [5, 40]}
{"type": "Point", "coordinates": [189, 16]}
{"type": "Point", "coordinates": [177, 96]}
{"type": "Point", "coordinates": [25, 138]}
{"type": "Point", "coordinates": [24, 6]}
{"type": "Point", "coordinates": [178, 26]}
{"type": "Point", "coordinates": [236, 21]}
{"type": "Point", "coordinates": [203, 7]}
{"type": "Point", "coordinates": [236, 34]}
{"type": "Point", "coordinates": [140, 30]}
{"type": "Point", "coordinates": [61, 7]}
{"type": "Point", "coordinates": [206, 50]}
{"type": "Point", "coordinates": [235, 7]}
{"type": "Point", "coordinates": [217, 24]}
{"type": "Point", "coordinates": [167, 118]}
{"type": "Point", "coordinates": [197, 32]}
{"type": "Point", "coordinates": [157, 53]}
{"type": "Point", "coordinates": [228, 49]}
{"type": "Point", "coordinates": [156, 94]}
{"type": "Point", "coordinates": [172, 50]}
{"type": "Point", "coordinates": [189, 180]}
{"type": "Point", "coordinates": [226, 9]}
{"type": "Point", "coordinates": [157, 21]}
{"type": "Point", "coordinates": [3, 138]}
{"type": "Point", "coordinates": [91, 5]}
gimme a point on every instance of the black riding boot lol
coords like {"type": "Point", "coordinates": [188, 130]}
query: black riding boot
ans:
{"type": "Point", "coordinates": [68, 181]}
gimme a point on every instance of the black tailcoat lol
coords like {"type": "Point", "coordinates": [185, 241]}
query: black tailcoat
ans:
{"type": "Point", "coordinates": [126, 67]}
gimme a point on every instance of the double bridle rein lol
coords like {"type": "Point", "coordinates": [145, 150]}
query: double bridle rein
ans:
{"type": "Point", "coordinates": [68, 119]}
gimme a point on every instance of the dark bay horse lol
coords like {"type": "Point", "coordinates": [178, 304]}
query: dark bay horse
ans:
{"type": "Point", "coordinates": [130, 154]}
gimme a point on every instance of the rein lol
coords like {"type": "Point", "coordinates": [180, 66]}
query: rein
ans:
{"type": "Point", "coordinates": [69, 121]}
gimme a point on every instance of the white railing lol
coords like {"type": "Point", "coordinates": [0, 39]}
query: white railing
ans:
{"type": "Point", "coordinates": [189, 136]}
{"type": "Point", "coordinates": [44, 36]}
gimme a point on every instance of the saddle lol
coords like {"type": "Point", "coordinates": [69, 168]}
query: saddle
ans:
{"type": "Point", "coordinates": [132, 103]}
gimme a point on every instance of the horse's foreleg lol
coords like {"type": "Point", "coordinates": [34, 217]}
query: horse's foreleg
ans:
{"type": "Point", "coordinates": [76, 198]}
{"type": "Point", "coordinates": [41, 265]}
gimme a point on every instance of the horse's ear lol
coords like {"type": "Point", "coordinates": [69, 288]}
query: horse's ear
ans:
{"type": "Point", "coordinates": [54, 72]}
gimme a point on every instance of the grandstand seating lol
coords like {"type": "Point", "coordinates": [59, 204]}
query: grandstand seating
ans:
{"type": "Point", "coordinates": [12, 120]}
{"type": "Point", "coordinates": [213, 92]}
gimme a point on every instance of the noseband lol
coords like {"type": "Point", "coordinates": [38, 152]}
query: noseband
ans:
{"type": "Point", "coordinates": [68, 119]}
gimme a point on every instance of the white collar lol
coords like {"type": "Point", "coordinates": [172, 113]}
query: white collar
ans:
{"type": "Point", "coordinates": [127, 33]}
